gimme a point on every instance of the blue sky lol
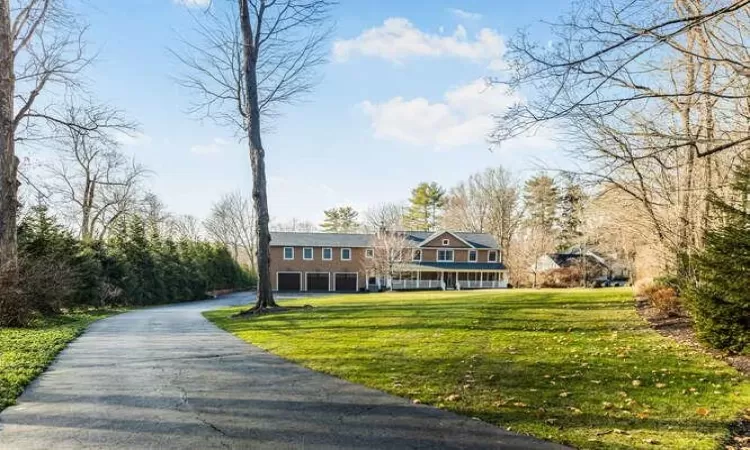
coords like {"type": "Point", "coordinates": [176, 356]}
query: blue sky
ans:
{"type": "Point", "coordinates": [402, 101]}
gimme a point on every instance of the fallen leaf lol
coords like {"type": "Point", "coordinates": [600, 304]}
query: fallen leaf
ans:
{"type": "Point", "coordinates": [607, 405]}
{"type": "Point", "coordinates": [416, 401]}
{"type": "Point", "coordinates": [520, 404]}
{"type": "Point", "coordinates": [564, 394]}
{"type": "Point", "coordinates": [651, 441]}
{"type": "Point", "coordinates": [452, 398]}
{"type": "Point", "coordinates": [660, 385]}
{"type": "Point", "coordinates": [702, 411]}
{"type": "Point", "coordinates": [636, 383]}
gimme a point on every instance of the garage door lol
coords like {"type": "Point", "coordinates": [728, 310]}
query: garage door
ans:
{"type": "Point", "coordinates": [317, 281]}
{"type": "Point", "coordinates": [346, 282]}
{"type": "Point", "coordinates": [289, 282]}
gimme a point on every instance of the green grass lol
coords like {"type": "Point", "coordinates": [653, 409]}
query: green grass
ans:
{"type": "Point", "coordinates": [26, 352]}
{"type": "Point", "coordinates": [575, 366]}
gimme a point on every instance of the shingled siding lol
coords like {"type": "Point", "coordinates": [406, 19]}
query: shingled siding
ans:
{"type": "Point", "coordinates": [452, 242]}
{"type": "Point", "coordinates": [298, 264]}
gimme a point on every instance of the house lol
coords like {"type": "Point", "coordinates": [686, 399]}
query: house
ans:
{"type": "Point", "coordinates": [595, 264]}
{"type": "Point", "coordinates": [339, 262]}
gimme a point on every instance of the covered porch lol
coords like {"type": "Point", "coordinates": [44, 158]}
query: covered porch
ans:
{"type": "Point", "coordinates": [448, 280]}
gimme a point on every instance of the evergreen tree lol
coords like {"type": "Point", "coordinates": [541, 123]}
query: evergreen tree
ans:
{"type": "Point", "coordinates": [343, 219]}
{"type": "Point", "coordinates": [426, 204]}
{"type": "Point", "coordinates": [572, 202]}
{"type": "Point", "coordinates": [541, 196]}
{"type": "Point", "coordinates": [718, 295]}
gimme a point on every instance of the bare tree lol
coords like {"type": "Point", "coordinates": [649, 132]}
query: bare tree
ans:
{"type": "Point", "coordinates": [232, 222]}
{"type": "Point", "coordinates": [41, 46]}
{"type": "Point", "coordinates": [385, 216]}
{"type": "Point", "coordinates": [186, 227]}
{"type": "Point", "coordinates": [294, 225]}
{"type": "Point", "coordinates": [488, 202]}
{"type": "Point", "coordinates": [253, 59]}
{"type": "Point", "coordinates": [390, 253]}
{"type": "Point", "coordinates": [92, 179]}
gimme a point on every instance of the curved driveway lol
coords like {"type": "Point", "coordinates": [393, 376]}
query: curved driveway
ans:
{"type": "Point", "coordinates": [166, 378]}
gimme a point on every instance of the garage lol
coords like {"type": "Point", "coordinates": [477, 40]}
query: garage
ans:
{"type": "Point", "coordinates": [318, 281]}
{"type": "Point", "coordinates": [346, 282]}
{"type": "Point", "coordinates": [289, 281]}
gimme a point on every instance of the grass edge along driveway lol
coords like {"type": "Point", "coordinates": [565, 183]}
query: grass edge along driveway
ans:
{"type": "Point", "coordinates": [574, 366]}
{"type": "Point", "coordinates": [26, 352]}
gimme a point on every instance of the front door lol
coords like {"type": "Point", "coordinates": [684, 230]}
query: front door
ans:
{"type": "Point", "coordinates": [450, 280]}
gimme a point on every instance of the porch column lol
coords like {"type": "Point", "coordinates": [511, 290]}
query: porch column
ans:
{"type": "Point", "coordinates": [481, 279]}
{"type": "Point", "coordinates": [419, 275]}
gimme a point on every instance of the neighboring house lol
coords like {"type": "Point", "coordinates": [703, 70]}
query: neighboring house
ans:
{"type": "Point", "coordinates": [607, 267]}
{"type": "Point", "coordinates": [343, 262]}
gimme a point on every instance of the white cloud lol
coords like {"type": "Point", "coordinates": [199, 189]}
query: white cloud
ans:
{"type": "Point", "coordinates": [398, 39]}
{"type": "Point", "coordinates": [464, 15]}
{"type": "Point", "coordinates": [216, 146]}
{"type": "Point", "coordinates": [193, 3]}
{"type": "Point", "coordinates": [462, 118]}
{"type": "Point", "coordinates": [132, 139]}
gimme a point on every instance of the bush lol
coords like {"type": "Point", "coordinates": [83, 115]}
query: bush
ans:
{"type": "Point", "coordinates": [564, 277]}
{"type": "Point", "coordinates": [134, 267]}
{"type": "Point", "coordinates": [664, 299]}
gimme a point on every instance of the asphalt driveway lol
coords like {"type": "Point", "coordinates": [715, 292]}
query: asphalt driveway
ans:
{"type": "Point", "coordinates": [166, 378]}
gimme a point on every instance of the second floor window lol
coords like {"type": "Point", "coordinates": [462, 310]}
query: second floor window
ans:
{"type": "Point", "coordinates": [472, 256]}
{"type": "Point", "coordinates": [370, 253]}
{"type": "Point", "coordinates": [327, 254]}
{"type": "Point", "coordinates": [346, 254]}
{"type": "Point", "coordinates": [307, 253]}
{"type": "Point", "coordinates": [288, 253]}
{"type": "Point", "coordinates": [445, 255]}
{"type": "Point", "coordinates": [492, 256]}
{"type": "Point", "coordinates": [416, 255]}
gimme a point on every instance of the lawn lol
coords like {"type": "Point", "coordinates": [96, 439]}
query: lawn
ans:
{"type": "Point", "coordinates": [573, 366]}
{"type": "Point", "coordinates": [26, 352]}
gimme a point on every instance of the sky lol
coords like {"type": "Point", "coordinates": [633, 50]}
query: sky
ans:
{"type": "Point", "coordinates": [402, 100]}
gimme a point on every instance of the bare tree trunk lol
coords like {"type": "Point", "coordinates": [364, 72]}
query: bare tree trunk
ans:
{"type": "Point", "coordinates": [257, 160]}
{"type": "Point", "coordinates": [8, 160]}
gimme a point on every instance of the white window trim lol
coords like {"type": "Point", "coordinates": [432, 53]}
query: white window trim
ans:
{"type": "Point", "coordinates": [446, 242]}
{"type": "Point", "coordinates": [342, 254]}
{"type": "Point", "coordinates": [490, 253]}
{"type": "Point", "coordinates": [413, 253]}
{"type": "Point", "coordinates": [476, 256]}
{"type": "Point", "coordinates": [369, 253]}
{"type": "Point", "coordinates": [288, 259]}
{"type": "Point", "coordinates": [453, 255]}
{"type": "Point", "coordinates": [312, 253]}
{"type": "Point", "coordinates": [323, 254]}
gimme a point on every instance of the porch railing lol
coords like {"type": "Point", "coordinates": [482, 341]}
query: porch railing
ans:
{"type": "Point", "coordinates": [483, 284]}
{"type": "Point", "coordinates": [403, 285]}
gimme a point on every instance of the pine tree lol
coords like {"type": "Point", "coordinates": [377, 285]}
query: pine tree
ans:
{"type": "Point", "coordinates": [541, 196]}
{"type": "Point", "coordinates": [718, 296]}
{"type": "Point", "coordinates": [426, 204]}
{"type": "Point", "coordinates": [343, 219]}
{"type": "Point", "coordinates": [570, 219]}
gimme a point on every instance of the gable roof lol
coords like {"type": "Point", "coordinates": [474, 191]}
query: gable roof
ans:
{"type": "Point", "coordinates": [437, 234]}
{"type": "Point", "coordinates": [294, 239]}
{"type": "Point", "coordinates": [476, 240]}
{"type": "Point", "coordinates": [415, 238]}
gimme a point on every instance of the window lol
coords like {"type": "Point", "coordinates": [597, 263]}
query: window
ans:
{"type": "Point", "coordinates": [416, 255]}
{"type": "Point", "coordinates": [472, 256]}
{"type": "Point", "coordinates": [288, 253]}
{"type": "Point", "coordinates": [307, 253]}
{"type": "Point", "coordinates": [492, 256]}
{"type": "Point", "coordinates": [346, 254]}
{"type": "Point", "coordinates": [445, 255]}
{"type": "Point", "coordinates": [327, 254]}
{"type": "Point", "coordinates": [370, 253]}
{"type": "Point", "coordinates": [446, 242]}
